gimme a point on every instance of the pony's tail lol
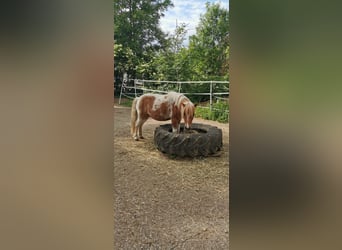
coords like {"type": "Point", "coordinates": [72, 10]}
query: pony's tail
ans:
{"type": "Point", "coordinates": [134, 115]}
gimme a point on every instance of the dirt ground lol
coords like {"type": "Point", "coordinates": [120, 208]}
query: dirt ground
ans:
{"type": "Point", "coordinates": [162, 202]}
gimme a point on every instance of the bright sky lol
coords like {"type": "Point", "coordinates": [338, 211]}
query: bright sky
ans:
{"type": "Point", "coordinates": [186, 11]}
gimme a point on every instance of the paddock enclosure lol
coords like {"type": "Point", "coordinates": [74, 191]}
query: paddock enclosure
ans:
{"type": "Point", "coordinates": [162, 202]}
{"type": "Point", "coordinates": [216, 90]}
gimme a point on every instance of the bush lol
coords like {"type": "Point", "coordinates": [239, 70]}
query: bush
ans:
{"type": "Point", "coordinates": [219, 112]}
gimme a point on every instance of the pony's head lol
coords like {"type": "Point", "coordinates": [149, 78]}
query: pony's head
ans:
{"type": "Point", "coordinates": [188, 113]}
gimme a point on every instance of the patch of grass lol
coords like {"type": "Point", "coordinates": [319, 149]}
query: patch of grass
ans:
{"type": "Point", "coordinates": [126, 103]}
{"type": "Point", "coordinates": [218, 113]}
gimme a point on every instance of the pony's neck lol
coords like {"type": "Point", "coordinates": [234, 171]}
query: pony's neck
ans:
{"type": "Point", "coordinates": [179, 100]}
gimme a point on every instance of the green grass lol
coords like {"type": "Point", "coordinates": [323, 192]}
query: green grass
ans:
{"type": "Point", "coordinates": [218, 112]}
{"type": "Point", "coordinates": [126, 102]}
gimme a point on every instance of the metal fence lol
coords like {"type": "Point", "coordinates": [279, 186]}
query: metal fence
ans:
{"type": "Point", "coordinates": [132, 88]}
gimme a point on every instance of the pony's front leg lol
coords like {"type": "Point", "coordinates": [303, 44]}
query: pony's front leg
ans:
{"type": "Point", "coordinates": [176, 128]}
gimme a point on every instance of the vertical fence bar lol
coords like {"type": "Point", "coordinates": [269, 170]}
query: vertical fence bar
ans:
{"type": "Point", "coordinates": [120, 93]}
{"type": "Point", "coordinates": [135, 87]}
{"type": "Point", "coordinates": [211, 95]}
{"type": "Point", "coordinates": [179, 87]}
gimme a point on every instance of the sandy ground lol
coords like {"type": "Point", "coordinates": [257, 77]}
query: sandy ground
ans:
{"type": "Point", "coordinates": [162, 202]}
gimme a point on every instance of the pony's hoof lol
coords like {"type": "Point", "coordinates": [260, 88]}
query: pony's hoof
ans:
{"type": "Point", "coordinates": [141, 137]}
{"type": "Point", "coordinates": [136, 138]}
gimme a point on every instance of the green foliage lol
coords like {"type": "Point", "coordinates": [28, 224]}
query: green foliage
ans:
{"type": "Point", "coordinates": [136, 24]}
{"type": "Point", "coordinates": [136, 28]}
{"type": "Point", "coordinates": [207, 56]}
{"type": "Point", "coordinates": [208, 47]}
{"type": "Point", "coordinates": [149, 53]}
{"type": "Point", "coordinates": [218, 113]}
{"type": "Point", "coordinates": [167, 62]}
{"type": "Point", "coordinates": [123, 58]}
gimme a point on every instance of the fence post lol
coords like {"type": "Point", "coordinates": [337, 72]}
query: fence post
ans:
{"type": "Point", "coordinates": [120, 94]}
{"type": "Point", "coordinates": [180, 86]}
{"type": "Point", "coordinates": [211, 95]}
{"type": "Point", "coordinates": [135, 87]}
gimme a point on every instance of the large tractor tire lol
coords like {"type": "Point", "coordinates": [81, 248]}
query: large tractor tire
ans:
{"type": "Point", "coordinates": [200, 140]}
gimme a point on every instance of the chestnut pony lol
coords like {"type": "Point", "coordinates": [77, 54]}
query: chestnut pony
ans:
{"type": "Point", "coordinates": [173, 105]}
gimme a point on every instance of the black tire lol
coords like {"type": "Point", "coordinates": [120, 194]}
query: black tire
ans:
{"type": "Point", "coordinates": [207, 141]}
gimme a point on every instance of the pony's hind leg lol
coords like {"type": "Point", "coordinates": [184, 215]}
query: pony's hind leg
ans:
{"type": "Point", "coordinates": [133, 130]}
{"type": "Point", "coordinates": [140, 133]}
{"type": "Point", "coordinates": [138, 129]}
{"type": "Point", "coordinates": [135, 134]}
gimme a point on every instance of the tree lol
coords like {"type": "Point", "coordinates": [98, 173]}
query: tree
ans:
{"type": "Point", "coordinates": [167, 61]}
{"type": "Point", "coordinates": [208, 48]}
{"type": "Point", "coordinates": [207, 57]}
{"type": "Point", "coordinates": [123, 58]}
{"type": "Point", "coordinates": [136, 26]}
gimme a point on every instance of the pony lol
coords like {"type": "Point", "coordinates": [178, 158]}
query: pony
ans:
{"type": "Point", "coordinates": [171, 106]}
